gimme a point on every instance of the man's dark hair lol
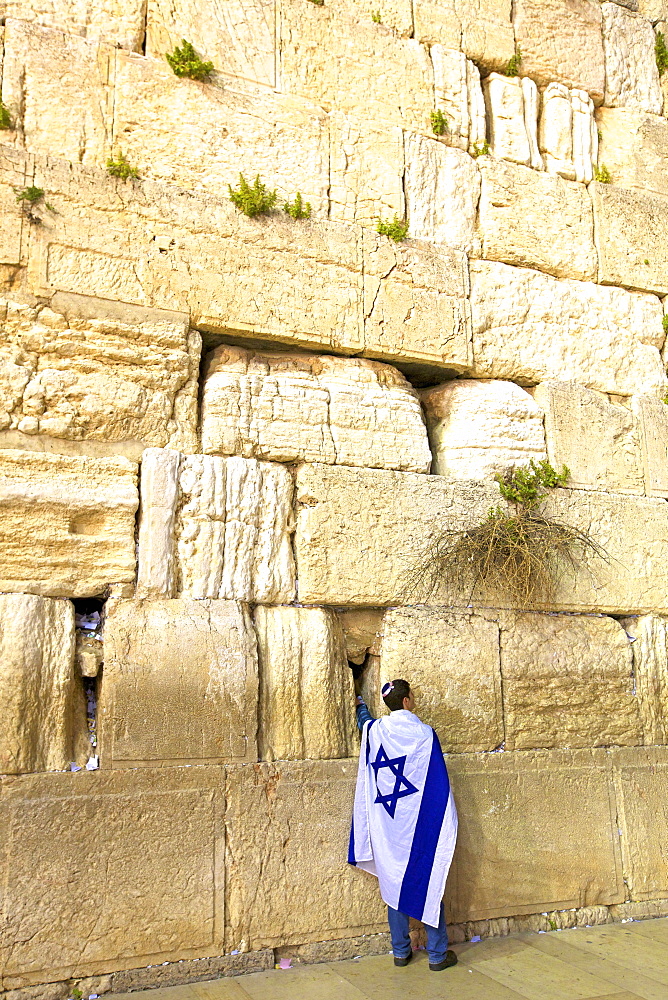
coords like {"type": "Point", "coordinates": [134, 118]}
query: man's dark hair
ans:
{"type": "Point", "coordinates": [394, 699]}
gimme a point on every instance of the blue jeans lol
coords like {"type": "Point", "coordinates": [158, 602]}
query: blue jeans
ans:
{"type": "Point", "coordinates": [437, 937]}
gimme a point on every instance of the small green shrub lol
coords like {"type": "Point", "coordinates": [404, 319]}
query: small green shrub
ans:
{"type": "Point", "coordinates": [5, 117]}
{"type": "Point", "coordinates": [527, 486]}
{"type": "Point", "coordinates": [664, 323]}
{"type": "Point", "coordinates": [30, 195]}
{"type": "Point", "coordinates": [661, 53]}
{"type": "Point", "coordinates": [602, 174]}
{"type": "Point", "coordinates": [184, 61]}
{"type": "Point", "coordinates": [664, 399]}
{"type": "Point", "coordinates": [121, 168]}
{"type": "Point", "coordinates": [252, 201]}
{"type": "Point", "coordinates": [513, 67]}
{"type": "Point", "coordinates": [439, 123]}
{"type": "Point", "coordinates": [375, 17]}
{"type": "Point", "coordinates": [318, 3]}
{"type": "Point", "coordinates": [397, 230]}
{"type": "Point", "coordinates": [646, 261]}
{"type": "Point", "coordinates": [298, 209]}
{"type": "Point", "coordinates": [480, 149]}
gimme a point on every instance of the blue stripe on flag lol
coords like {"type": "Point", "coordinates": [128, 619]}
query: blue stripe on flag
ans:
{"type": "Point", "coordinates": [351, 844]}
{"type": "Point", "coordinates": [415, 883]}
{"type": "Point", "coordinates": [368, 748]}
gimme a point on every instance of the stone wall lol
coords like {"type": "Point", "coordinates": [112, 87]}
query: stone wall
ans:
{"type": "Point", "coordinates": [225, 443]}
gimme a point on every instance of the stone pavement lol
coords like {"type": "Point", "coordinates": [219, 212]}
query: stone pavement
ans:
{"type": "Point", "coordinates": [611, 962]}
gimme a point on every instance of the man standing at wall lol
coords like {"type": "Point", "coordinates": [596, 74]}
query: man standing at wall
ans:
{"type": "Point", "coordinates": [404, 821]}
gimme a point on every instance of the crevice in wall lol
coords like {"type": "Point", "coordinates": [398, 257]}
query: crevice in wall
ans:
{"type": "Point", "coordinates": [88, 620]}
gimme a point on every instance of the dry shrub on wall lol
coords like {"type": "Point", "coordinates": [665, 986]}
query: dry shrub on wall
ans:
{"type": "Point", "coordinates": [518, 553]}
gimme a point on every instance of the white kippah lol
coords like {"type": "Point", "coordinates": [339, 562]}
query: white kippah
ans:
{"type": "Point", "coordinates": [386, 688]}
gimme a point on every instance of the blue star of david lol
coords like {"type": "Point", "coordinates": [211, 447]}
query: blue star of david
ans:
{"type": "Point", "coordinates": [396, 766]}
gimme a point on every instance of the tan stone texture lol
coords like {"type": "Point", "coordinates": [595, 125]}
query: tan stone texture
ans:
{"type": "Point", "coordinates": [536, 220]}
{"type": "Point", "coordinates": [116, 850]}
{"type": "Point", "coordinates": [561, 40]}
{"type": "Point", "coordinates": [278, 891]}
{"type": "Point", "coordinates": [361, 633]}
{"type": "Point", "coordinates": [67, 524]}
{"type": "Point", "coordinates": [298, 407]}
{"type": "Point", "coordinates": [481, 28]}
{"type": "Point", "coordinates": [307, 697]}
{"type": "Point", "coordinates": [631, 74]}
{"type": "Point", "coordinates": [556, 809]}
{"type": "Point", "coordinates": [442, 191]}
{"type": "Point", "coordinates": [459, 96]}
{"type": "Point", "coordinates": [159, 492]}
{"type": "Point", "coordinates": [630, 231]}
{"type": "Point", "coordinates": [556, 131]}
{"type": "Point", "coordinates": [395, 14]}
{"type": "Point", "coordinates": [641, 789]}
{"type": "Point", "coordinates": [568, 681]}
{"type": "Point", "coordinates": [37, 681]}
{"type": "Point", "coordinates": [452, 663]}
{"type": "Point", "coordinates": [366, 167]}
{"type": "Point", "coordinates": [634, 148]}
{"type": "Point", "coordinates": [509, 138]}
{"type": "Point", "coordinates": [99, 379]}
{"type": "Point", "coordinates": [180, 684]}
{"type": "Point", "coordinates": [652, 417]}
{"type": "Point", "coordinates": [119, 22]}
{"type": "Point", "coordinates": [598, 440]}
{"type": "Point", "coordinates": [15, 175]}
{"type": "Point", "coordinates": [529, 327]}
{"type": "Point", "coordinates": [479, 429]}
{"type": "Point", "coordinates": [89, 653]}
{"type": "Point", "coordinates": [650, 669]}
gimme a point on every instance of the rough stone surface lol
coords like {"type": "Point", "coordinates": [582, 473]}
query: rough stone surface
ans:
{"type": "Point", "coordinates": [191, 971]}
{"type": "Point", "coordinates": [567, 682]}
{"type": "Point", "coordinates": [634, 148]}
{"type": "Point", "coordinates": [453, 664]}
{"type": "Point", "coordinates": [298, 407]}
{"type": "Point", "coordinates": [504, 98]}
{"type": "Point", "coordinates": [641, 780]}
{"type": "Point", "coordinates": [107, 844]}
{"type": "Point", "coordinates": [652, 417]}
{"type": "Point", "coordinates": [366, 166]}
{"type": "Point", "coordinates": [115, 21]}
{"type": "Point", "coordinates": [459, 96]}
{"type": "Point", "coordinates": [37, 681]}
{"type": "Point", "coordinates": [156, 557]}
{"type": "Point", "coordinates": [631, 75]}
{"type": "Point", "coordinates": [67, 524]}
{"type": "Point", "coordinates": [556, 131]}
{"type": "Point", "coordinates": [560, 40]}
{"type": "Point", "coordinates": [479, 429]}
{"type": "Point", "coordinates": [598, 440]}
{"type": "Point", "coordinates": [630, 227]}
{"type": "Point", "coordinates": [536, 220]}
{"type": "Point", "coordinates": [442, 191]}
{"type": "Point", "coordinates": [585, 136]}
{"type": "Point", "coordinates": [361, 633]}
{"type": "Point", "coordinates": [180, 684]}
{"type": "Point", "coordinates": [306, 686]}
{"type": "Point", "coordinates": [529, 327]}
{"type": "Point", "coordinates": [650, 669]}
{"type": "Point", "coordinates": [481, 28]}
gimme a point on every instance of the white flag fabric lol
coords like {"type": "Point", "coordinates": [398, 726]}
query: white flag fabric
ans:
{"type": "Point", "coordinates": [404, 819]}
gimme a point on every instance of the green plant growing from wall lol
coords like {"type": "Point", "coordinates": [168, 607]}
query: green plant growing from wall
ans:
{"type": "Point", "coordinates": [397, 229]}
{"type": "Point", "coordinates": [480, 149]}
{"type": "Point", "coordinates": [5, 117]}
{"type": "Point", "coordinates": [31, 198]}
{"type": "Point", "coordinates": [298, 209]}
{"type": "Point", "coordinates": [664, 324]}
{"type": "Point", "coordinates": [661, 53]}
{"type": "Point", "coordinates": [602, 174]}
{"type": "Point", "coordinates": [375, 17]}
{"type": "Point", "coordinates": [184, 61]}
{"type": "Point", "coordinates": [439, 123]}
{"type": "Point", "coordinates": [513, 67]}
{"type": "Point", "coordinates": [318, 3]}
{"type": "Point", "coordinates": [519, 552]}
{"type": "Point", "coordinates": [252, 201]}
{"type": "Point", "coordinates": [121, 168]}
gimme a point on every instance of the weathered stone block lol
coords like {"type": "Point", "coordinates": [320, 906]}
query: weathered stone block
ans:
{"type": "Point", "coordinates": [452, 664]}
{"type": "Point", "coordinates": [630, 227]}
{"type": "Point", "coordinates": [599, 441]}
{"type": "Point", "coordinates": [37, 681]}
{"type": "Point", "coordinates": [511, 807]}
{"type": "Point", "coordinates": [361, 633]}
{"type": "Point", "coordinates": [536, 220]}
{"type": "Point", "coordinates": [442, 190]}
{"type": "Point", "coordinates": [215, 528]}
{"type": "Point", "coordinates": [585, 136]}
{"type": "Point", "coordinates": [650, 670]}
{"type": "Point", "coordinates": [478, 429]}
{"type": "Point", "coordinates": [458, 93]}
{"type": "Point", "coordinates": [631, 75]}
{"type": "Point", "coordinates": [366, 168]}
{"type": "Point", "coordinates": [180, 684]}
{"type": "Point", "coordinates": [90, 377]}
{"type": "Point", "coordinates": [634, 148]}
{"type": "Point", "coordinates": [114, 21]}
{"type": "Point", "coordinates": [555, 135]}
{"type": "Point", "coordinates": [308, 408]}
{"type": "Point", "coordinates": [529, 327]}
{"type": "Point", "coordinates": [307, 696]}
{"type": "Point", "coordinates": [652, 417]}
{"type": "Point", "coordinates": [640, 777]}
{"type": "Point", "coordinates": [504, 97]}
{"type": "Point", "coordinates": [481, 28]}
{"type": "Point", "coordinates": [395, 14]}
{"type": "Point", "coordinates": [140, 849]}
{"type": "Point", "coordinates": [16, 173]}
{"type": "Point", "coordinates": [277, 816]}
{"type": "Point", "coordinates": [568, 681]}
{"type": "Point", "coordinates": [561, 40]}
{"type": "Point", "coordinates": [67, 524]}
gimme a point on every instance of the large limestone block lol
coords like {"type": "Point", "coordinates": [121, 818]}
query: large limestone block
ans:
{"type": "Point", "coordinates": [307, 695]}
{"type": "Point", "coordinates": [37, 680]}
{"type": "Point", "coordinates": [16, 173]}
{"type": "Point", "coordinates": [630, 231]}
{"type": "Point", "coordinates": [458, 93]}
{"type": "Point", "coordinates": [585, 136]}
{"type": "Point", "coordinates": [640, 776]}
{"type": "Point", "coordinates": [515, 854]}
{"type": "Point", "coordinates": [631, 75]}
{"type": "Point", "coordinates": [339, 62]}
{"type": "Point", "coordinates": [442, 191]}
{"type": "Point", "coordinates": [67, 524]}
{"type": "Point", "coordinates": [87, 377]}
{"type": "Point", "coordinates": [651, 415]}
{"type": "Point", "coordinates": [287, 828]}
{"type": "Point", "coordinates": [504, 97]}
{"type": "Point", "coordinates": [361, 633]}
{"type": "Point", "coordinates": [366, 168]}
{"type": "Point", "coordinates": [529, 327]}
{"type": "Point", "coordinates": [130, 871]}
{"type": "Point", "coordinates": [119, 22]}
{"type": "Point", "coordinates": [481, 28]}
{"type": "Point", "coordinates": [364, 536]}
{"type": "Point", "coordinates": [650, 670]}
{"type": "Point", "coordinates": [238, 37]}
{"type": "Point", "coordinates": [214, 527]}
{"type": "Point", "coordinates": [479, 429]}
{"type": "Point", "coordinates": [634, 148]}
{"type": "Point", "coordinates": [598, 440]}
{"type": "Point", "coordinates": [308, 408]}
{"type": "Point", "coordinates": [561, 40]}
{"type": "Point", "coordinates": [395, 14]}
{"type": "Point", "coordinates": [555, 135]}
{"type": "Point", "coordinates": [452, 663]}
{"type": "Point", "coordinates": [568, 681]}
{"type": "Point", "coordinates": [180, 684]}
{"type": "Point", "coordinates": [536, 220]}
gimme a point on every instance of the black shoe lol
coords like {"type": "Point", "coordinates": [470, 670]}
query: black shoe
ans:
{"type": "Point", "coordinates": [403, 961]}
{"type": "Point", "coordinates": [449, 960]}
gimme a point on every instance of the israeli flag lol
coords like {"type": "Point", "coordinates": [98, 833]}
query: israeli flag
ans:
{"type": "Point", "coordinates": [404, 819]}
